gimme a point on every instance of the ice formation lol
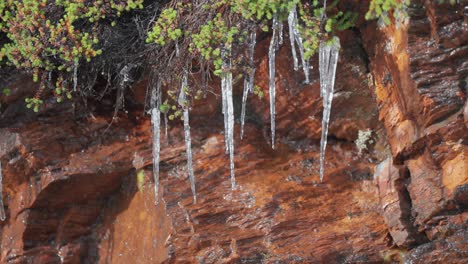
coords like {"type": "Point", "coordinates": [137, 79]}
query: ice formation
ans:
{"type": "Point", "coordinates": [188, 142]}
{"type": "Point", "coordinates": [226, 88]}
{"type": "Point", "coordinates": [248, 79]}
{"type": "Point", "coordinates": [2, 208]}
{"type": "Point", "coordinates": [328, 60]}
{"type": "Point", "coordinates": [296, 39]}
{"type": "Point", "coordinates": [272, 72]}
{"type": "Point", "coordinates": [156, 123]}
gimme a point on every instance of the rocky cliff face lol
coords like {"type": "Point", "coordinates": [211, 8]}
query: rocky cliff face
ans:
{"type": "Point", "coordinates": [79, 191]}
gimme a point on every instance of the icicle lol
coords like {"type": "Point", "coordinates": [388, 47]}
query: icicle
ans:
{"type": "Point", "coordinates": [156, 122]}
{"type": "Point", "coordinates": [224, 110]}
{"type": "Point", "coordinates": [328, 60]}
{"type": "Point", "coordinates": [2, 209]}
{"type": "Point", "coordinates": [248, 79]}
{"type": "Point", "coordinates": [295, 37]}
{"type": "Point", "coordinates": [272, 85]}
{"type": "Point", "coordinates": [188, 143]}
{"type": "Point", "coordinates": [229, 109]}
{"type": "Point", "coordinates": [165, 126]}
{"type": "Point", "coordinates": [177, 48]}
{"type": "Point", "coordinates": [280, 34]}
{"type": "Point", "coordinates": [244, 103]}
{"type": "Point", "coordinates": [292, 33]}
{"type": "Point", "coordinates": [75, 75]}
{"type": "Point", "coordinates": [305, 62]}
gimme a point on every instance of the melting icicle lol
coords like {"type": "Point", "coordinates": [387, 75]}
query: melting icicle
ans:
{"type": "Point", "coordinates": [177, 48]}
{"type": "Point", "coordinates": [305, 62]}
{"type": "Point", "coordinates": [244, 103]}
{"type": "Point", "coordinates": [229, 110]}
{"type": "Point", "coordinates": [292, 25]}
{"type": "Point", "coordinates": [272, 85]}
{"type": "Point", "coordinates": [280, 34]}
{"type": "Point", "coordinates": [224, 110]}
{"type": "Point", "coordinates": [2, 209]}
{"type": "Point", "coordinates": [295, 37]}
{"type": "Point", "coordinates": [156, 122]}
{"type": "Point", "coordinates": [248, 79]}
{"type": "Point", "coordinates": [165, 126]}
{"type": "Point", "coordinates": [328, 60]}
{"type": "Point", "coordinates": [75, 75]}
{"type": "Point", "coordinates": [188, 143]}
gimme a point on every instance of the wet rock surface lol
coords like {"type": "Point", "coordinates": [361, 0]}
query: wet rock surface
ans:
{"type": "Point", "coordinates": [79, 191]}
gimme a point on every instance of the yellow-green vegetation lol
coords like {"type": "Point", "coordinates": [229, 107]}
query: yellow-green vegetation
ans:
{"type": "Point", "coordinates": [52, 38]}
{"type": "Point", "coordinates": [140, 179]}
{"type": "Point", "coordinates": [263, 10]}
{"type": "Point", "coordinates": [212, 37]}
{"type": "Point", "coordinates": [382, 8]}
{"type": "Point", "coordinates": [49, 35]}
{"type": "Point", "coordinates": [165, 28]}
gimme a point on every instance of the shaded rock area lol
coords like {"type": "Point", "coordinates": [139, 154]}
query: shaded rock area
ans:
{"type": "Point", "coordinates": [78, 190]}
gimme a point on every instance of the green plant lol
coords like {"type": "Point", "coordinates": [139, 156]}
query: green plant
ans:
{"type": "Point", "coordinates": [140, 179]}
{"type": "Point", "coordinates": [33, 103]}
{"type": "Point", "coordinates": [381, 9]}
{"type": "Point", "coordinates": [263, 10]}
{"type": "Point", "coordinates": [212, 37]}
{"type": "Point", "coordinates": [6, 91]}
{"type": "Point", "coordinates": [165, 28]}
{"type": "Point", "coordinates": [55, 36]}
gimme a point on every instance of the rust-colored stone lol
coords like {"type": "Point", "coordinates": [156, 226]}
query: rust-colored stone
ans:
{"type": "Point", "coordinates": [396, 203]}
{"type": "Point", "coordinates": [72, 194]}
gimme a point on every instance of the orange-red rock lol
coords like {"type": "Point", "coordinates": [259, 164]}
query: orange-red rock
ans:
{"type": "Point", "coordinates": [72, 195]}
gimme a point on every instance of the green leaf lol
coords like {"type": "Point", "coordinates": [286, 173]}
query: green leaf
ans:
{"type": "Point", "coordinates": [6, 91]}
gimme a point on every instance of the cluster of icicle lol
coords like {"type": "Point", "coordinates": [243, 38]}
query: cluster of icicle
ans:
{"type": "Point", "coordinates": [328, 59]}
{"type": "Point", "coordinates": [277, 40]}
{"type": "Point", "coordinates": [2, 209]}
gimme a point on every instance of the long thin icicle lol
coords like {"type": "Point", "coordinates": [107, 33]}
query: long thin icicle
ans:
{"type": "Point", "coordinates": [2, 209]}
{"type": "Point", "coordinates": [292, 32]}
{"type": "Point", "coordinates": [188, 142]}
{"type": "Point", "coordinates": [156, 123]}
{"type": "Point", "coordinates": [272, 72]}
{"type": "Point", "coordinates": [280, 33]}
{"type": "Point", "coordinates": [165, 126]}
{"type": "Point", "coordinates": [224, 110]}
{"type": "Point", "coordinates": [295, 37]}
{"type": "Point", "coordinates": [229, 110]}
{"type": "Point", "coordinates": [305, 62]}
{"type": "Point", "coordinates": [75, 75]}
{"type": "Point", "coordinates": [328, 60]}
{"type": "Point", "coordinates": [248, 79]}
